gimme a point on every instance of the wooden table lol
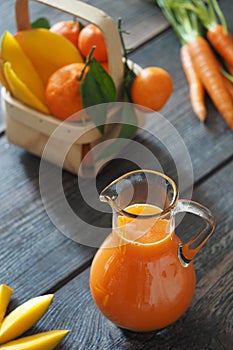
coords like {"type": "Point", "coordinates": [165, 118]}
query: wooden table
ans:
{"type": "Point", "coordinates": [36, 258]}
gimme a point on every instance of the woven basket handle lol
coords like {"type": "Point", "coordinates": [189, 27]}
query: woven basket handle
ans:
{"type": "Point", "coordinates": [88, 13]}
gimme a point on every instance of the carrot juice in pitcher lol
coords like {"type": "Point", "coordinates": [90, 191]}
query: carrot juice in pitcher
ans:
{"type": "Point", "coordinates": [140, 279]}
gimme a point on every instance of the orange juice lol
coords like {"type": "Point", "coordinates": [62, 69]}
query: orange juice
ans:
{"type": "Point", "coordinates": [139, 283]}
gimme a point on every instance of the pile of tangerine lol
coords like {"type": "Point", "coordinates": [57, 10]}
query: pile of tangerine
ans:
{"type": "Point", "coordinates": [151, 88]}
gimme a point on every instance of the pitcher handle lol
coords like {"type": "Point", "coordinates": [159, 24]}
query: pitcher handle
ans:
{"type": "Point", "coordinates": [187, 251]}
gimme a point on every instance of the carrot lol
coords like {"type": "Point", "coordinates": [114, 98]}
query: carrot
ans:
{"type": "Point", "coordinates": [217, 33]}
{"type": "Point", "coordinates": [229, 86]}
{"type": "Point", "coordinates": [208, 70]}
{"type": "Point", "coordinates": [230, 69]}
{"type": "Point", "coordinates": [196, 89]}
{"type": "Point", "coordinates": [183, 16]}
{"type": "Point", "coordinates": [222, 42]}
{"type": "Point", "coordinates": [228, 80]}
{"type": "Point", "coordinates": [197, 92]}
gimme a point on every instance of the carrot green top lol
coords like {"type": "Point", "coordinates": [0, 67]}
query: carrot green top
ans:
{"type": "Point", "coordinates": [184, 16]}
{"type": "Point", "coordinates": [184, 21]}
{"type": "Point", "coordinates": [209, 12]}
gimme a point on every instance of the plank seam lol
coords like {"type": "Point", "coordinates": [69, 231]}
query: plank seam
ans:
{"type": "Point", "coordinates": [68, 278]}
{"type": "Point", "coordinates": [212, 172]}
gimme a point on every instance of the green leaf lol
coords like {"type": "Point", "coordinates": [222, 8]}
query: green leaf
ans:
{"type": "Point", "coordinates": [129, 122]}
{"type": "Point", "coordinates": [127, 131]}
{"type": "Point", "coordinates": [97, 88]}
{"type": "Point", "coordinates": [41, 22]}
{"type": "Point", "coordinates": [108, 89]}
{"type": "Point", "coordinates": [91, 96]}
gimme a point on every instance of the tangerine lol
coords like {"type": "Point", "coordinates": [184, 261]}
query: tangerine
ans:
{"type": "Point", "coordinates": [69, 29]}
{"type": "Point", "coordinates": [91, 36]}
{"type": "Point", "coordinates": [63, 95]}
{"type": "Point", "coordinates": [151, 88]}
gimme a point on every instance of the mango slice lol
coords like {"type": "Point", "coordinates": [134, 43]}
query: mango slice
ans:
{"type": "Point", "coordinates": [24, 317]}
{"type": "Point", "coordinates": [5, 297]}
{"type": "Point", "coordinates": [20, 90]}
{"type": "Point", "coordinates": [12, 52]}
{"type": "Point", "coordinates": [47, 51]}
{"type": "Point", "coordinates": [2, 78]}
{"type": "Point", "coordinates": [46, 341]}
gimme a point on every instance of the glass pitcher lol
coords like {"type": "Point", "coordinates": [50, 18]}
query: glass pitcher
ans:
{"type": "Point", "coordinates": [142, 277]}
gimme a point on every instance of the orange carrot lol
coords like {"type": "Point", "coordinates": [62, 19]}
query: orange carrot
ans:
{"type": "Point", "coordinates": [183, 16]}
{"type": "Point", "coordinates": [218, 35]}
{"type": "Point", "coordinates": [207, 66]}
{"type": "Point", "coordinates": [230, 68]}
{"type": "Point", "coordinates": [229, 86]}
{"type": "Point", "coordinates": [222, 41]}
{"type": "Point", "coordinates": [196, 88]}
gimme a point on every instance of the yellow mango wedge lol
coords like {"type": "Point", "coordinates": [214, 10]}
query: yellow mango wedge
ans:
{"type": "Point", "coordinates": [42, 341]}
{"type": "Point", "coordinates": [47, 51]}
{"type": "Point", "coordinates": [12, 52]}
{"type": "Point", "coordinates": [24, 317]}
{"type": "Point", "coordinates": [5, 297]}
{"type": "Point", "coordinates": [2, 78]}
{"type": "Point", "coordinates": [20, 90]}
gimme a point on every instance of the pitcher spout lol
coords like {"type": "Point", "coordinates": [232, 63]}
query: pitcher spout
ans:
{"type": "Point", "coordinates": [108, 194]}
{"type": "Point", "coordinates": [119, 192]}
{"type": "Point", "coordinates": [140, 187]}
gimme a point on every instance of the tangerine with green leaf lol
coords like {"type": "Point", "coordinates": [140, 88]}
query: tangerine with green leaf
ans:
{"type": "Point", "coordinates": [63, 95]}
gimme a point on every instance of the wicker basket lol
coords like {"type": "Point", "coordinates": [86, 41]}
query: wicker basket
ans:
{"type": "Point", "coordinates": [30, 129]}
